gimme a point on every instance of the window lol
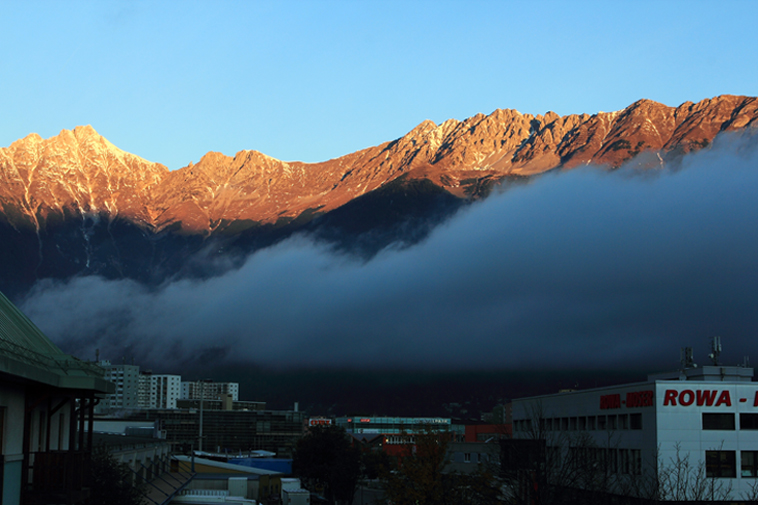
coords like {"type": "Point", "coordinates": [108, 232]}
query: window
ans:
{"type": "Point", "coordinates": [600, 422]}
{"type": "Point", "coordinates": [749, 463]}
{"type": "Point", "coordinates": [624, 460]}
{"type": "Point", "coordinates": [749, 421]}
{"type": "Point", "coordinates": [613, 461]}
{"type": "Point", "coordinates": [623, 422]}
{"type": "Point", "coordinates": [591, 423]}
{"type": "Point", "coordinates": [635, 421]}
{"type": "Point", "coordinates": [713, 421]}
{"type": "Point", "coordinates": [636, 462]}
{"type": "Point", "coordinates": [720, 464]}
{"type": "Point", "coordinates": [612, 423]}
{"type": "Point", "coordinates": [467, 457]}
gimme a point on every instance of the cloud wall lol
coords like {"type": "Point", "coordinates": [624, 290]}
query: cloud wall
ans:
{"type": "Point", "coordinates": [585, 268]}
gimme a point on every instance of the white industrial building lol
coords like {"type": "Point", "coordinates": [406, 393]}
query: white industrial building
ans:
{"type": "Point", "coordinates": [687, 435]}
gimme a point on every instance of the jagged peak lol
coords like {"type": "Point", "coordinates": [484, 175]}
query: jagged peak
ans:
{"type": "Point", "coordinates": [85, 131]}
{"type": "Point", "coordinates": [253, 154]}
{"type": "Point", "coordinates": [213, 157]}
{"type": "Point", "coordinates": [424, 127]}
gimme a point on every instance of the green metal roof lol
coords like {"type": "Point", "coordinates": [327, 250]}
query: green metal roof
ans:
{"type": "Point", "coordinates": [27, 352]}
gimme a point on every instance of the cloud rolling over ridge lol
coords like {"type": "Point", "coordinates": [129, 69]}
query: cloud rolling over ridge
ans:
{"type": "Point", "coordinates": [585, 268]}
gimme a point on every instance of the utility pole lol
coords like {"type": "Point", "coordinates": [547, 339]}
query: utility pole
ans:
{"type": "Point", "coordinates": [202, 396]}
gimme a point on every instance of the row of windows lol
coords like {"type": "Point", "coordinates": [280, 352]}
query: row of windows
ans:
{"type": "Point", "coordinates": [581, 423]}
{"type": "Point", "coordinates": [726, 421]}
{"type": "Point", "coordinates": [724, 463]}
{"type": "Point", "coordinates": [614, 461]}
{"type": "Point", "coordinates": [468, 457]}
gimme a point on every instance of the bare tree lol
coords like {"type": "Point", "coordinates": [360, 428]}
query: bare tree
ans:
{"type": "Point", "coordinates": [679, 479]}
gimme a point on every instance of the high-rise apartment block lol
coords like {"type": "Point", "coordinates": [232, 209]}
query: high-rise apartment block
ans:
{"type": "Point", "coordinates": [127, 380]}
{"type": "Point", "coordinates": [137, 389]}
{"type": "Point", "coordinates": [164, 391]}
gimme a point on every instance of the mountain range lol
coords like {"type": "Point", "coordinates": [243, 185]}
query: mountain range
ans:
{"type": "Point", "coordinates": [75, 204]}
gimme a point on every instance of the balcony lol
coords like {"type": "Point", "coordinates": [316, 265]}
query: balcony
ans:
{"type": "Point", "coordinates": [58, 477]}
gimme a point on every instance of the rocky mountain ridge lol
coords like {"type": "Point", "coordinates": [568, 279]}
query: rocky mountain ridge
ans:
{"type": "Point", "coordinates": [80, 173]}
{"type": "Point", "coordinates": [75, 204]}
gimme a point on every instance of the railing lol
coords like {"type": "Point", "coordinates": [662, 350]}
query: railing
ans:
{"type": "Point", "coordinates": [60, 361]}
{"type": "Point", "coordinates": [62, 474]}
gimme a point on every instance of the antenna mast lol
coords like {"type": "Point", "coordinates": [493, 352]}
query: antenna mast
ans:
{"type": "Point", "coordinates": [715, 350]}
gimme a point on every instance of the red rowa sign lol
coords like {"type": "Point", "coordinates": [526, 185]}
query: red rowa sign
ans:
{"type": "Point", "coordinates": [699, 398]}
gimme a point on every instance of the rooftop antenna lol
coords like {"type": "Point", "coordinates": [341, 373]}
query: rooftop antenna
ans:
{"type": "Point", "coordinates": [715, 350]}
{"type": "Point", "coordinates": [686, 357]}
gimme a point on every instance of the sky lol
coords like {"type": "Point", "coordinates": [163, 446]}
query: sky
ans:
{"type": "Point", "coordinates": [314, 80]}
{"type": "Point", "coordinates": [581, 269]}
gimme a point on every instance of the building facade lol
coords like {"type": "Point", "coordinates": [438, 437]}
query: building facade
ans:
{"type": "Point", "coordinates": [165, 390]}
{"type": "Point", "coordinates": [698, 426]}
{"type": "Point", "coordinates": [192, 390]}
{"type": "Point", "coordinates": [46, 401]}
{"type": "Point", "coordinates": [228, 431]}
{"type": "Point", "coordinates": [126, 378]}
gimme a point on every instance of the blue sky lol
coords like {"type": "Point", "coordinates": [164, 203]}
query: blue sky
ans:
{"type": "Point", "coordinates": [310, 81]}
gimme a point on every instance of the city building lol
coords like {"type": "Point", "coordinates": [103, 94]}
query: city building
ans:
{"type": "Point", "coordinates": [394, 434]}
{"type": "Point", "coordinates": [144, 389]}
{"type": "Point", "coordinates": [165, 390]}
{"type": "Point", "coordinates": [223, 403]}
{"type": "Point", "coordinates": [193, 390]}
{"type": "Point", "coordinates": [126, 378]}
{"type": "Point", "coordinates": [686, 435]}
{"type": "Point", "coordinates": [46, 401]}
{"type": "Point", "coordinates": [227, 431]}
{"type": "Point", "coordinates": [468, 457]}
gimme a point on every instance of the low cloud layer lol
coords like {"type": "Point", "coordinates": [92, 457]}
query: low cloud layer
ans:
{"type": "Point", "coordinates": [586, 268]}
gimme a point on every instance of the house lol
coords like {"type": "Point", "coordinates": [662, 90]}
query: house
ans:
{"type": "Point", "coordinates": [46, 400]}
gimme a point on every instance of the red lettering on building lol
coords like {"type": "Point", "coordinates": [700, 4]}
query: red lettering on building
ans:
{"type": "Point", "coordinates": [639, 399]}
{"type": "Point", "coordinates": [724, 398]}
{"type": "Point", "coordinates": [669, 398]}
{"type": "Point", "coordinates": [686, 397]}
{"type": "Point", "coordinates": [705, 398]}
{"type": "Point", "coordinates": [755, 402]}
{"type": "Point", "coordinates": [610, 402]}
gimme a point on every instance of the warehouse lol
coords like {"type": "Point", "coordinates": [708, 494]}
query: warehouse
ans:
{"type": "Point", "coordinates": [687, 435]}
